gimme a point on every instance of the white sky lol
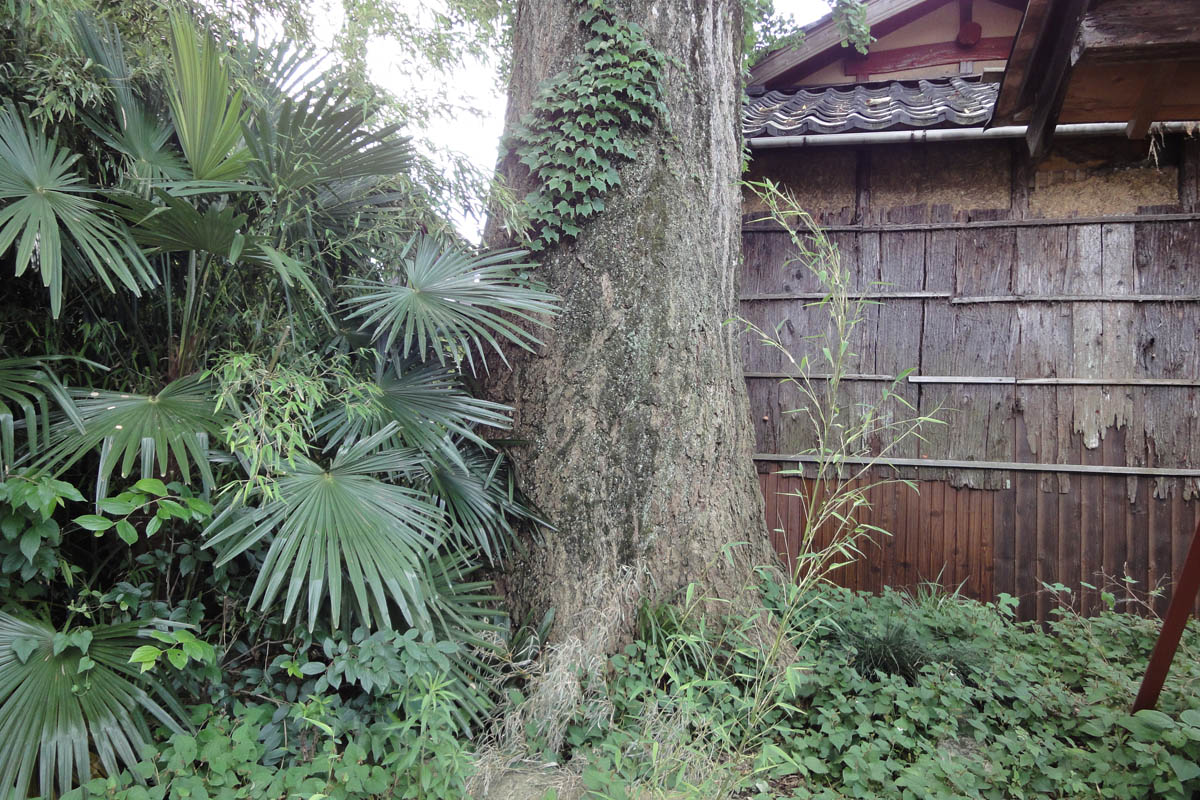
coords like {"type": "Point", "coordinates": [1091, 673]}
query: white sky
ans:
{"type": "Point", "coordinates": [478, 136]}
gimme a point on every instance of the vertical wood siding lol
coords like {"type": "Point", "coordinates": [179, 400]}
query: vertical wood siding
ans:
{"type": "Point", "coordinates": [1093, 325]}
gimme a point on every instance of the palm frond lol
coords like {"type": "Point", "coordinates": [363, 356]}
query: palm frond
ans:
{"type": "Point", "coordinates": [46, 213]}
{"type": "Point", "coordinates": [64, 695]}
{"type": "Point", "coordinates": [347, 522]}
{"type": "Point", "coordinates": [28, 387]}
{"type": "Point", "coordinates": [208, 116]}
{"type": "Point", "coordinates": [479, 493]}
{"type": "Point", "coordinates": [170, 224]}
{"type": "Point", "coordinates": [323, 138]}
{"type": "Point", "coordinates": [171, 427]}
{"type": "Point", "coordinates": [134, 131]}
{"type": "Point", "coordinates": [426, 402]}
{"type": "Point", "coordinates": [465, 611]}
{"type": "Point", "coordinates": [451, 303]}
{"type": "Point", "coordinates": [282, 69]}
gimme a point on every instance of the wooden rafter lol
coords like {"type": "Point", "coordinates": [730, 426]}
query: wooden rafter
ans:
{"type": "Point", "coordinates": [1136, 31]}
{"type": "Point", "coordinates": [1156, 83]}
{"type": "Point", "coordinates": [1046, 88]}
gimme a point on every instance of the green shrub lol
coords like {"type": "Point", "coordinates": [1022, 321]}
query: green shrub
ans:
{"type": "Point", "coordinates": [240, 755]}
{"type": "Point", "coordinates": [932, 696]}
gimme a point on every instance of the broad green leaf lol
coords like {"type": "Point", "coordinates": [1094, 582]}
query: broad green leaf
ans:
{"type": "Point", "coordinates": [151, 486]}
{"type": "Point", "coordinates": [127, 532]}
{"type": "Point", "coordinates": [94, 522]}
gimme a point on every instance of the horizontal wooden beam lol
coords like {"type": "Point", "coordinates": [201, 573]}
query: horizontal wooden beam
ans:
{"type": "Point", "coordinates": [852, 296]}
{"type": "Point", "coordinates": [967, 300]}
{"type": "Point", "coordinates": [1136, 31]}
{"type": "Point", "coordinates": [1016, 466]}
{"type": "Point", "coordinates": [881, 62]}
{"type": "Point", "coordinates": [1077, 298]}
{"type": "Point", "coordinates": [820, 376]}
{"type": "Point", "coordinates": [1004, 380]}
{"type": "Point", "coordinates": [773, 227]}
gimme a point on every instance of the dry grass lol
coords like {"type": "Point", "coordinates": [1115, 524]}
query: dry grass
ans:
{"type": "Point", "coordinates": [567, 685]}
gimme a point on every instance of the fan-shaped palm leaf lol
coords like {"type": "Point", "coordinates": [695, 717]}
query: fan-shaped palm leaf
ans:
{"type": "Point", "coordinates": [425, 401]}
{"type": "Point", "coordinates": [481, 499]}
{"type": "Point", "coordinates": [170, 427]}
{"type": "Point", "coordinates": [283, 69]}
{"type": "Point", "coordinates": [175, 225]}
{"type": "Point", "coordinates": [464, 612]}
{"type": "Point", "coordinates": [451, 302]}
{"type": "Point", "coordinates": [208, 116]}
{"type": "Point", "coordinates": [28, 386]}
{"type": "Point", "coordinates": [135, 132]}
{"type": "Point", "coordinates": [343, 523]}
{"type": "Point", "coordinates": [324, 138]}
{"type": "Point", "coordinates": [46, 208]}
{"type": "Point", "coordinates": [64, 695]}
{"type": "Point", "coordinates": [172, 225]}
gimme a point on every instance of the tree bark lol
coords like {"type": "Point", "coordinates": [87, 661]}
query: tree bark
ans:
{"type": "Point", "coordinates": [639, 441]}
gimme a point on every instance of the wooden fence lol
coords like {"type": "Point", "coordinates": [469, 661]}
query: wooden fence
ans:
{"type": "Point", "coordinates": [1065, 352]}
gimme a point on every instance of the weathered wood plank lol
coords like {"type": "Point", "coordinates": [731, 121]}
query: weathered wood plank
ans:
{"type": "Point", "coordinates": [1004, 505]}
{"type": "Point", "coordinates": [1137, 31]}
{"type": "Point", "coordinates": [1165, 257]}
{"type": "Point", "coordinates": [986, 560]}
{"type": "Point", "coordinates": [985, 262]}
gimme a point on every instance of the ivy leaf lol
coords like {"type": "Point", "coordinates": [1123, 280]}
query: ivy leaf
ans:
{"type": "Point", "coordinates": [23, 647]}
{"type": "Point", "coordinates": [81, 639]}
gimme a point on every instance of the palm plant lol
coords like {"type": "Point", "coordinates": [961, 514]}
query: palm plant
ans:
{"type": "Point", "coordinates": [28, 386]}
{"type": "Point", "coordinates": [50, 217]}
{"type": "Point", "coordinates": [65, 695]}
{"type": "Point", "coordinates": [276, 224]}
{"type": "Point", "coordinates": [451, 304]}
{"type": "Point", "coordinates": [169, 429]}
{"type": "Point", "coordinates": [348, 522]}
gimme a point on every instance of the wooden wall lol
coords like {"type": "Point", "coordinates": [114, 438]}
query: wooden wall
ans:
{"type": "Point", "coordinates": [1050, 309]}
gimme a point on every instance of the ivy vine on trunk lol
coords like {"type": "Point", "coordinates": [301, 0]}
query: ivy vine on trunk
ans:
{"type": "Point", "coordinates": [580, 124]}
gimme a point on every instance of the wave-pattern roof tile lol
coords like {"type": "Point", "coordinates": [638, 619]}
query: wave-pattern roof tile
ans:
{"type": "Point", "coordinates": [947, 102]}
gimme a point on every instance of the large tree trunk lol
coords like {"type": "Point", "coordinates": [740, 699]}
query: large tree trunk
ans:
{"type": "Point", "coordinates": [635, 409]}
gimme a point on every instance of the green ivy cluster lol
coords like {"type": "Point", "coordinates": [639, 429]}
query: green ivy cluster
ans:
{"type": "Point", "coordinates": [932, 697]}
{"type": "Point", "coordinates": [581, 124]}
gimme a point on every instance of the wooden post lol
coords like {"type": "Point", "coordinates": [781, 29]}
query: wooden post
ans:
{"type": "Point", "coordinates": [1182, 598]}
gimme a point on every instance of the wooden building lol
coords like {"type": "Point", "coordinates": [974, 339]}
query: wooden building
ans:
{"type": "Point", "coordinates": [1019, 190]}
